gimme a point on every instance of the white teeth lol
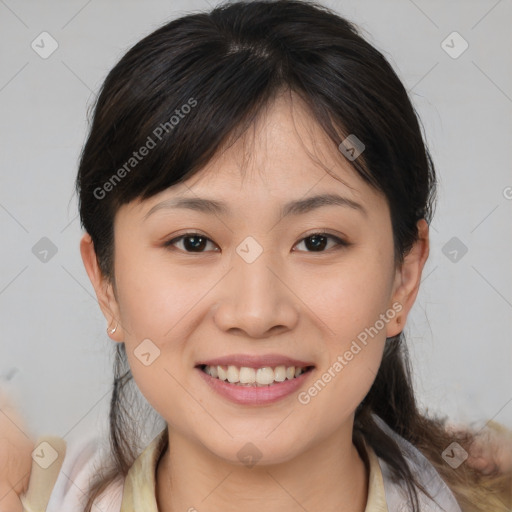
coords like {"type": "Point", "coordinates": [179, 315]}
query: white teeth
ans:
{"type": "Point", "coordinates": [233, 374]}
{"type": "Point", "coordinates": [245, 376]}
{"type": "Point", "coordinates": [280, 373]}
{"type": "Point", "coordinates": [265, 375]}
{"type": "Point", "coordinates": [221, 373]}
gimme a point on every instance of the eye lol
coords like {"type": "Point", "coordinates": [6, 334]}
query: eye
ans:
{"type": "Point", "coordinates": [317, 242]}
{"type": "Point", "coordinates": [196, 242]}
{"type": "Point", "coordinates": [192, 242]}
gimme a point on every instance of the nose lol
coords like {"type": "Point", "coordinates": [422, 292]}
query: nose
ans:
{"type": "Point", "coordinates": [257, 299]}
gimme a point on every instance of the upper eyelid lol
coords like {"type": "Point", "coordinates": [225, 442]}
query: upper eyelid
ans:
{"type": "Point", "coordinates": [307, 235]}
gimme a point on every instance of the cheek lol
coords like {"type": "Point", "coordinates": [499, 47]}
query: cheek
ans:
{"type": "Point", "coordinates": [349, 366]}
{"type": "Point", "coordinates": [342, 385]}
{"type": "Point", "coordinates": [349, 297]}
{"type": "Point", "coordinates": [157, 305]}
{"type": "Point", "coordinates": [352, 304]}
{"type": "Point", "coordinates": [154, 298]}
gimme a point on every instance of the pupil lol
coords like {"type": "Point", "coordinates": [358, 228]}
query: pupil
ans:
{"type": "Point", "coordinates": [316, 245]}
{"type": "Point", "coordinates": [199, 242]}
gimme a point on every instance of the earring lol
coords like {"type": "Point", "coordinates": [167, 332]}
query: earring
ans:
{"type": "Point", "coordinates": [112, 331]}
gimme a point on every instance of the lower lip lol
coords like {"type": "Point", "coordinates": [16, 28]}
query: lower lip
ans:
{"type": "Point", "coordinates": [254, 395]}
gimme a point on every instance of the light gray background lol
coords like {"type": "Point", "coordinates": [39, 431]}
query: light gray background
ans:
{"type": "Point", "coordinates": [54, 351]}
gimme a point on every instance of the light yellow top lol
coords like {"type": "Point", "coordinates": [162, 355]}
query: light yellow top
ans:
{"type": "Point", "coordinates": [59, 483]}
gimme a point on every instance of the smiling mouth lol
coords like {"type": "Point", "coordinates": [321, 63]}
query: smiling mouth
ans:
{"type": "Point", "coordinates": [254, 377]}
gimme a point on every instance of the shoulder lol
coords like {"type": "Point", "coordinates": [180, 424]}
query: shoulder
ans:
{"type": "Point", "coordinates": [397, 496]}
{"type": "Point", "coordinates": [62, 472]}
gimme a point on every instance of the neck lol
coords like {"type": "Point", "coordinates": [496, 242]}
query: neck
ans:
{"type": "Point", "coordinates": [330, 476]}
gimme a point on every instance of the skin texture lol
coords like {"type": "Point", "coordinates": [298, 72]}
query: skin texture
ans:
{"type": "Point", "coordinates": [292, 300]}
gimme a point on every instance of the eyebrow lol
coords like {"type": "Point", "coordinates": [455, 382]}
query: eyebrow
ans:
{"type": "Point", "coordinates": [296, 207]}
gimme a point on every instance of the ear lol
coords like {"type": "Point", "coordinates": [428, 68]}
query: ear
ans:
{"type": "Point", "coordinates": [103, 288]}
{"type": "Point", "coordinates": [408, 279]}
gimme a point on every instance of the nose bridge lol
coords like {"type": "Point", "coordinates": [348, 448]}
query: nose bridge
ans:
{"type": "Point", "coordinates": [253, 263]}
{"type": "Point", "coordinates": [256, 300]}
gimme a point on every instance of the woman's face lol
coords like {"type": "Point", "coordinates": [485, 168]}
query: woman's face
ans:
{"type": "Point", "coordinates": [259, 284]}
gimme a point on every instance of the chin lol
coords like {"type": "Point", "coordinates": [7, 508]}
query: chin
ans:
{"type": "Point", "coordinates": [252, 451]}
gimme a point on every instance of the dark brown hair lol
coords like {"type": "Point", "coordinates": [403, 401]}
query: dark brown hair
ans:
{"type": "Point", "coordinates": [227, 65]}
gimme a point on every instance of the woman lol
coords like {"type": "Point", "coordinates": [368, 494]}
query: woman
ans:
{"type": "Point", "coordinates": [256, 195]}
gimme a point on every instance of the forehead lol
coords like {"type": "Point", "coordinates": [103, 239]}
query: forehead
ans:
{"type": "Point", "coordinates": [283, 155]}
{"type": "Point", "coordinates": [284, 149]}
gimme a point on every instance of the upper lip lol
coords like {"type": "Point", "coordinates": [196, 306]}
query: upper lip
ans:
{"type": "Point", "coordinates": [254, 361]}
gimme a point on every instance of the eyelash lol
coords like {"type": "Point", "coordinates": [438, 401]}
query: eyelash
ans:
{"type": "Point", "coordinates": [340, 243]}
